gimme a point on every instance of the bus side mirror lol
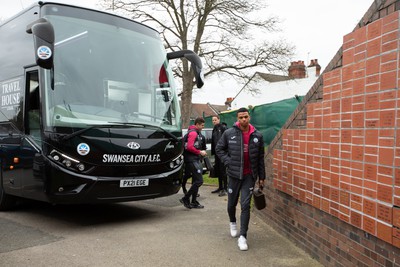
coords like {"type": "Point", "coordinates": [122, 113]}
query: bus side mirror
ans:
{"type": "Point", "coordinates": [43, 38]}
{"type": "Point", "coordinates": [197, 66]}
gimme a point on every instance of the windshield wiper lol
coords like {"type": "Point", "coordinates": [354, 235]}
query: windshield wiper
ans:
{"type": "Point", "coordinates": [119, 124]}
{"type": "Point", "coordinates": [144, 125]}
{"type": "Point", "coordinates": [69, 136]}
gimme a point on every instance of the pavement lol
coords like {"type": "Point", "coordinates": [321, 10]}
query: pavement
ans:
{"type": "Point", "coordinates": [157, 232]}
{"type": "Point", "coordinates": [208, 232]}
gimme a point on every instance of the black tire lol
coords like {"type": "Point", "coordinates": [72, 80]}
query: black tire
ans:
{"type": "Point", "coordinates": [7, 202]}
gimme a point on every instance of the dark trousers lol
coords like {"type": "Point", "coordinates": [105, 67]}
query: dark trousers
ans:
{"type": "Point", "coordinates": [244, 188]}
{"type": "Point", "coordinates": [186, 174]}
{"type": "Point", "coordinates": [196, 170]}
{"type": "Point", "coordinates": [221, 173]}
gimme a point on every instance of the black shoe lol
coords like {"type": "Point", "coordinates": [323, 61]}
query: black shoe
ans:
{"type": "Point", "coordinates": [222, 193]}
{"type": "Point", "coordinates": [196, 205]}
{"type": "Point", "coordinates": [185, 203]}
{"type": "Point", "coordinates": [216, 191]}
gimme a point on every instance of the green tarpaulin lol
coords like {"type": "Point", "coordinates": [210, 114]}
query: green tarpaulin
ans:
{"type": "Point", "coordinates": [268, 118]}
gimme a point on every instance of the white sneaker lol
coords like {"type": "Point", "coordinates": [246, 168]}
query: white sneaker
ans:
{"type": "Point", "coordinates": [233, 228]}
{"type": "Point", "coordinates": [242, 243]}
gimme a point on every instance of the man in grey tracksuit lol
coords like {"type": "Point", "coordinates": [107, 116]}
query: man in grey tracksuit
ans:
{"type": "Point", "coordinates": [241, 149]}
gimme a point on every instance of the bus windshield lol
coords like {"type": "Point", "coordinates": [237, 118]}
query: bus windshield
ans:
{"type": "Point", "coordinates": [107, 71]}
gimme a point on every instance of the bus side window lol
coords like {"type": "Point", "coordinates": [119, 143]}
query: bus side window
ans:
{"type": "Point", "coordinates": [34, 106]}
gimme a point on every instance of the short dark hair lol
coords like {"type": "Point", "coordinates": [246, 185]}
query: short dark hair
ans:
{"type": "Point", "coordinates": [242, 110]}
{"type": "Point", "coordinates": [199, 120]}
{"type": "Point", "coordinates": [215, 116]}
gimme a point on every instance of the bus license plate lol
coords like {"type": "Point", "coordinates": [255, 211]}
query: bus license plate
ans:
{"type": "Point", "coordinates": [134, 183]}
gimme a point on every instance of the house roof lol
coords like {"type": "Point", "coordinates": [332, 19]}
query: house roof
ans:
{"type": "Point", "coordinates": [205, 110]}
{"type": "Point", "coordinates": [273, 88]}
{"type": "Point", "coordinates": [273, 77]}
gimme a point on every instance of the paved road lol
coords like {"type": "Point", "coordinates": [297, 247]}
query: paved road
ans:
{"type": "Point", "coordinates": [158, 232]}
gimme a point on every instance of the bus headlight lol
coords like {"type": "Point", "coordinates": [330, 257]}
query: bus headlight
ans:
{"type": "Point", "coordinates": [176, 162]}
{"type": "Point", "coordinates": [80, 167]}
{"type": "Point", "coordinates": [67, 161]}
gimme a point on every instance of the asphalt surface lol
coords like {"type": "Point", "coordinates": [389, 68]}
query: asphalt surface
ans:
{"type": "Point", "coordinates": [159, 232]}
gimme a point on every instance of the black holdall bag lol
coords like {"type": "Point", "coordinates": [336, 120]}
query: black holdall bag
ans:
{"type": "Point", "coordinates": [213, 173]}
{"type": "Point", "coordinates": [209, 166]}
{"type": "Point", "coordinates": [259, 198]}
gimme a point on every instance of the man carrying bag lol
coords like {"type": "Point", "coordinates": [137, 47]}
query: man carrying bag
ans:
{"type": "Point", "coordinates": [241, 149]}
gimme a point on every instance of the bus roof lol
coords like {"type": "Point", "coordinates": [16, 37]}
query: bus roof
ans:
{"type": "Point", "coordinates": [42, 3]}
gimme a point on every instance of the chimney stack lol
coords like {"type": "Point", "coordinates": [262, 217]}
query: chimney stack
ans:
{"type": "Point", "coordinates": [228, 102]}
{"type": "Point", "coordinates": [297, 70]}
{"type": "Point", "coordinates": [314, 63]}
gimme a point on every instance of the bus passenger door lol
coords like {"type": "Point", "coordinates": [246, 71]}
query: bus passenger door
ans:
{"type": "Point", "coordinates": [33, 181]}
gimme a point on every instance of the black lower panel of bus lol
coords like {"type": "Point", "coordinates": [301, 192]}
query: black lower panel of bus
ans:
{"type": "Point", "coordinates": [70, 188]}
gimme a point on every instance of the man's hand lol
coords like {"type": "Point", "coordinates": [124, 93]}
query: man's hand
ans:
{"type": "Point", "coordinates": [203, 153]}
{"type": "Point", "coordinates": [261, 184]}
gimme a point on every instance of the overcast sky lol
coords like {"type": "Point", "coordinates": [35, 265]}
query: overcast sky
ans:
{"type": "Point", "coordinates": [315, 27]}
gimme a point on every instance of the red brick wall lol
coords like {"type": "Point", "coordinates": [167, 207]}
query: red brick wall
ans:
{"type": "Point", "coordinates": [345, 161]}
{"type": "Point", "coordinates": [335, 183]}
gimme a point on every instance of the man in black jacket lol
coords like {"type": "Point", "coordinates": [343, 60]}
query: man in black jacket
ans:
{"type": "Point", "coordinates": [241, 149]}
{"type": "Point", "coordinates": [219, 168]}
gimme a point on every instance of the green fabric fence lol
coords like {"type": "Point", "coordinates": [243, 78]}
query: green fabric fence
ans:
{"type": "Point", "coordinates": [267, 118]}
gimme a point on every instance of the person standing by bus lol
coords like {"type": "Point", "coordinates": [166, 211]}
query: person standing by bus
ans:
{"type": "Point", "coordinates": [219, 168]}
{"type": "Point", "coordinates": [241, 149]}
{"type": "Point", "coordinates": [193, 153]}
{"type": "Point", "coordinates": [187, 172]}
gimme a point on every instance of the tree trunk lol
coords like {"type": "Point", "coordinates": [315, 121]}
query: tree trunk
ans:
{"type": "Point", "coordinates": [186, 99]}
